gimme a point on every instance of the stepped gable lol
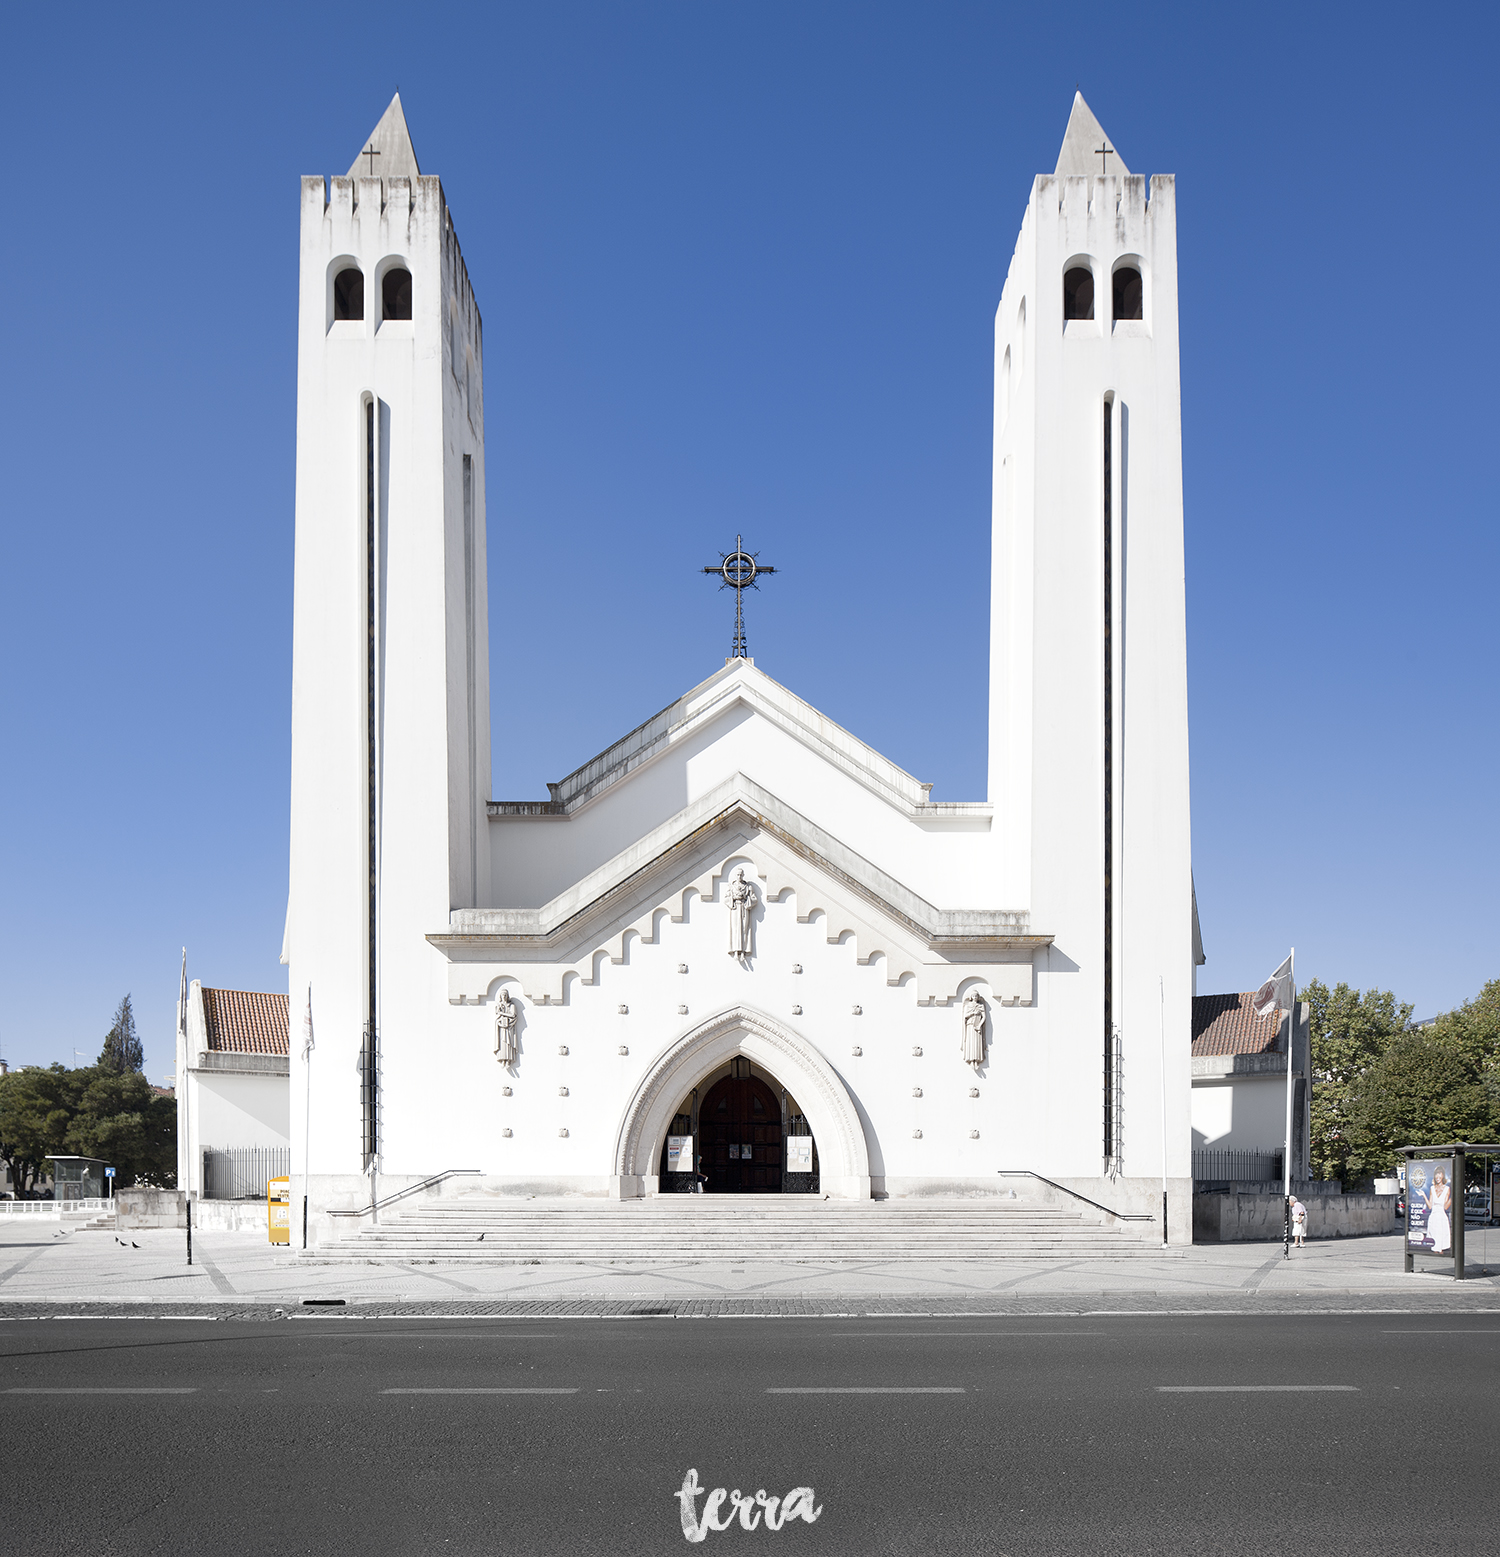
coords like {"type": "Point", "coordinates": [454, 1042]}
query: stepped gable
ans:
{"type": "Point", "coordinates": [1227, 1024]}
{"type": "Point", "coordinates": [242, 1021]}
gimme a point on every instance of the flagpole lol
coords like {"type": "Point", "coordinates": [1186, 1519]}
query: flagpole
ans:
{"type": "Point", "coordinates": [307, 1049]}
{"type": "Point", "coordinates": [1286, 1164]}
{"type": "Point", "coordinates": [1161, 989]}
{"type": "Point", "coordinates": [184, 1146]}
{"type": "Point", "coordinates": [184, 1097]}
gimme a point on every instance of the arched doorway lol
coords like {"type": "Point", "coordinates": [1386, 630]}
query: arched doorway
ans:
{"type": "Point", "coordinates": [840, 1161]}
{"type": "Point", "coordinates": [739, 1121]}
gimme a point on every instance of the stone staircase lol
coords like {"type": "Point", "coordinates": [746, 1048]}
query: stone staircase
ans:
{"type": "Point", "coordinates": [103, 1221]}
{"type": "Point", "coordinates": [677, 1229]}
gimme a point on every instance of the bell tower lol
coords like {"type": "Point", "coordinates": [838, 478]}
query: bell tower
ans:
{"type": "Point", "coordinates": [1088, 655]}
{"type": "Point", "coordinates": [390, 668]}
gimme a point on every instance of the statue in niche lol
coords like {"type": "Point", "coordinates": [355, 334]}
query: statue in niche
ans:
{"type": "Point", "coordinates": [974, 1018]}
{"type": "Point", "coordinates": [741, 899]}
{"type": "Point", "coordinates": [505, 1028]}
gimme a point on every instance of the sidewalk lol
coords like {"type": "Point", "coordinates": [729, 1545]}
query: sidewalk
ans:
{"type": "Point", "coordinates": [39, 1264]}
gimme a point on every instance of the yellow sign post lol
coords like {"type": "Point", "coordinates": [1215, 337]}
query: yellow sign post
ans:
{"type": "Point", "coordinates": [279, 1210]}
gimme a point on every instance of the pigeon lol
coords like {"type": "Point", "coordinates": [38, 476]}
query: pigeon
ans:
{"type": "Point", "coordinates": [134, 1244]}
{"type": "Point", "coordinates": [480, 1239]}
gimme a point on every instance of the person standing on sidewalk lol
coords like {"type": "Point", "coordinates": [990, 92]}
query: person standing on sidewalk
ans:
{"type": "Point", "coordinates": [1299, 1223]}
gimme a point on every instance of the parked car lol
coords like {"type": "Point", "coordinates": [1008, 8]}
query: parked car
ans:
{"type": "Point", "coordinates": [1477, 1206]}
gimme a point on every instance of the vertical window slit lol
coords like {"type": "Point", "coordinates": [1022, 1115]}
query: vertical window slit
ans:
{"type": "Point", "coordinates": [368, 1075]}
{"type": "Point", "coordinates": [1109, 784]}
{"type": "Point", "coordinates": [472, 627]}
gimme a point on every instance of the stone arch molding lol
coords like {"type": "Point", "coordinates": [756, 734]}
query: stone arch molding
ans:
{"type": "Point", "coordinates": [842, 1150]}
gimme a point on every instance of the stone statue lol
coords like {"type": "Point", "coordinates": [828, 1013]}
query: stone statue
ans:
{"type": "Point", "coordinates": [505, 1028]}
{"type": "Point", "coordinates": [741, 901]}
{"type": "Point", "coordinates": [974, 1015]}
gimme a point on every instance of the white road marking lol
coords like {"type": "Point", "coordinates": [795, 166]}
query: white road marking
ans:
{"type": "Point", "coordinates": [875, 1335]}
{"type": "Point", "coordinates": [101, 1391]}
{"type": "Point", "coordinates": [479, 1392]}
{"type": "Point", "coordinates": [872, 1389]}
{"type": "Point", "coordinates": [1440, 1332]}
{"type": "Point", "coordinates": [424, 1335]}
{"type": "Point", "coordinates": [1255, 1389]}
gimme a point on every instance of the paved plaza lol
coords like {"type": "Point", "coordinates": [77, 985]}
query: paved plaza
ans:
{"type": "Point", "coordinates": [43, 1261]}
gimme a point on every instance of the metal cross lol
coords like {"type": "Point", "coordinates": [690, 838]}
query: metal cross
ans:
{"type": "Point", "coordinates": [739, 570]}
{"type": "Point", "coordinates": [1106, 151]}
{"type": "Point", "coordinates": [372, 154]}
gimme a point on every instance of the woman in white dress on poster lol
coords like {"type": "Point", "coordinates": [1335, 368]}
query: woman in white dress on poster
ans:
{"type": "Point", "coordinates": [1439, 1198]}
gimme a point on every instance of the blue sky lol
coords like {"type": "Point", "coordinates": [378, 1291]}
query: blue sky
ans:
{"type": "Point", "coordinates": [738, 266]}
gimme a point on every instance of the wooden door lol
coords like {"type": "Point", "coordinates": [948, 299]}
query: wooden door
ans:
{"type": "Point", "coordinates": [740, 1126]}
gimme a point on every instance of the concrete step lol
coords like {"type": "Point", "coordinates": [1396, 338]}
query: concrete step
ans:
{"type": "Point", "coordinates": [675, 1229]}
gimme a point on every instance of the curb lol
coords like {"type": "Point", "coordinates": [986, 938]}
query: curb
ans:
{"type": "Point", "coordinates": [1073, 1305]}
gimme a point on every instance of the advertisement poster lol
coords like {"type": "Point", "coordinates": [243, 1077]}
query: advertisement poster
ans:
{"type": "Point", "coordinates": [799, 1154]}
{"type": "Point", "coordinates": [1429, 1200]}
{"type": "Point", "coordinates": [679, 1154]}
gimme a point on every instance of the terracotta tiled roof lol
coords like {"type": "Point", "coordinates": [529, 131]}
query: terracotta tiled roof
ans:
{"type": "Point", "coordinates": [1227, 1024]}
{"type": "Point", "coordinates": [242, 1022]}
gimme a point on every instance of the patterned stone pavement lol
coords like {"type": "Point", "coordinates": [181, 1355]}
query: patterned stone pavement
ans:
{"type": "Point", "coordinates": [45, 1268]}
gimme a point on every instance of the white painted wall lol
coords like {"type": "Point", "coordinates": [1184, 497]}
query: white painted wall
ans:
{"type": "Point", "coordinates": [234, 1110]}
{"type": "Point", "coordinates": [1240, 1113]}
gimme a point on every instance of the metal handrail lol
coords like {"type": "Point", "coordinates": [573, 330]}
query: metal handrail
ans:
{"type": "Point", "coordinates": [411, 1189]}
{"type": "Point", "coordinates": [1124, 1216]}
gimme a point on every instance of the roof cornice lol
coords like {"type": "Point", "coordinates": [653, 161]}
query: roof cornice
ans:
{"type": "Point", "coordinates": [740, 684]}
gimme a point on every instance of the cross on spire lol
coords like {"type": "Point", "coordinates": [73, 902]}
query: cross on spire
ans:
{"type": "Point", "coordinates": [1105, 152]}
{"type": "Point", "coordinates": [372, 154]}
{"type": "Point", "coordinates": [739, 570]}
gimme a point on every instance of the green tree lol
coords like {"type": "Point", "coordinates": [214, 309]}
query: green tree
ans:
{"type": "Point", "coordinates": [1428, 1088]}
{"type": "Point", "coordinates": [89, 1112]}
{"type": "Point", "coordinates": [1350, 1032]}
{"type": "Point", "coordinates": [37, 1104]}
{"type": "Point", "coordinates": [1475, 1028]}
{"type": "Point", "coordinates": [124, 1121]}
{"type": "Point", "coordinates": [122, 1050]}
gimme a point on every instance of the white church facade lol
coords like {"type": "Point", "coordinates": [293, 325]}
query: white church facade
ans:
{"type": "Point", "coordinates": [740, 951]}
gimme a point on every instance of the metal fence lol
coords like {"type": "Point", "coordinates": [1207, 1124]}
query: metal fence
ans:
{"type": "Point", "coordinates": [46, 1208]}
{"type": "Point", "coordinates": [1224, 1167]}
{"type": "Point", "coordinates": [240, 1172]}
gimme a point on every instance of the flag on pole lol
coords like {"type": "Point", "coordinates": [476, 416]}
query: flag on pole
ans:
{"type": "Point", "coordinates": [1277, 993]}
{"type": "Point", "coordinates": [182, 997]}
{"type": "Point", "coordinates": [307, 1031]}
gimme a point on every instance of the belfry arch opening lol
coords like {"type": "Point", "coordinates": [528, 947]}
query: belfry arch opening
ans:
{"type": "Point", "coordinates": [1078, 293]}
{"type": "Point", "coordinates": [739, 1132]}
{"type": "Point", "coordinates": [349, 293]}
{"type": "Point", "coordinates": [1129, 294]}
{"type": "Point", "coordinates": [395, 293]}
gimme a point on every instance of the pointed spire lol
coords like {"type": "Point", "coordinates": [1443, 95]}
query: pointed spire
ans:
{"type": "Point", "coordinates": [1080, 147]}
{"type": "Point", "coordinates": [391, 143]}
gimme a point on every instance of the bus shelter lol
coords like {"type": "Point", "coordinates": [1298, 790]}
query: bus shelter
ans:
{"type": "Point", "coordinates": [1436, 1178]}
{"type": "Point", "coordinates": [77, 1178]}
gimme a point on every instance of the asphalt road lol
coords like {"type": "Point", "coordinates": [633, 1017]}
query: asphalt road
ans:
{"type": "Point", "coordinates": [1018, 1436]}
